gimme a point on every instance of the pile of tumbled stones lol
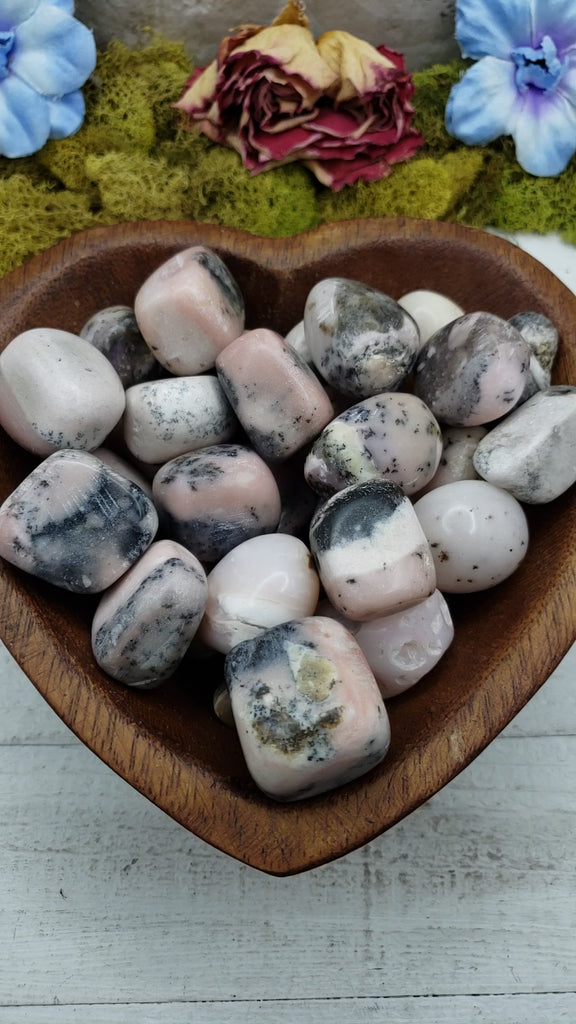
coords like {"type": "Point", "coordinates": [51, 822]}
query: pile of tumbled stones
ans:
{"type": "Point", "coordinates": [184, 459]}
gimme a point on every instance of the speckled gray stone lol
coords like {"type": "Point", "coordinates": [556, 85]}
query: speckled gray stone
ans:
{"type": "Point", "coordinates": [361, 341]}
{"type": "Point", "coordinates": [115, 333]}
{"type": "Point", "coordinates": [532, 453]}
{"type": "Point", "coordinates": [542, 337]}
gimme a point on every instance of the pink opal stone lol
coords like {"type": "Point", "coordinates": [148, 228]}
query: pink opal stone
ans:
{"type": "Point", "coordinates": [371, 551]}
{"type": "Point", "coordinates": [188, 310]}
{"type": "Point", "coordinates": [307, 708]}
{"type": "Point", "coordinates": [274, 393]}
{"type": "Point", "coordinates": [215, 498]}
{"type": "Point", "coordinates": [76, 523]}
{"type": "Point", "coordinates": [57, 391]}
{"type": "Point", "coordinates": [145, 623]}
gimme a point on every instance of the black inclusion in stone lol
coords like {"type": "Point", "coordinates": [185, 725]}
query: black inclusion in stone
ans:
{"type": "Point", "coordinates": [261, 651]}
{"type": "Point", "coordinates": [354, 514]}
{"type": "Point", "coordinates": [223, 278]}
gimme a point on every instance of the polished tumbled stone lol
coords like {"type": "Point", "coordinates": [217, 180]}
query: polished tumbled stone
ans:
{"type": "Point", "coordinates": [115, 333]}
{"type": "Point", "coordinates": [76, 523]}
{"type": "Point", "coordinates": [431, 311]}
{"type": "Point", "coordinates": [215, 498]}
{"type": "Point", "coordinates": [57, 391]}
{"type": "Point", "coordinates": [145, 623]}
{"type": "Point", "coordinates": [307, 708]}
{"type": "Point", "coordinates": [392, 436]}
{"type": "Point", "coordinates": [532, 453]}
{"type": "Point", "coordinates": [166, 418]}
{"type": "Point", "coordinates": [189, 309]}
{"type": "Point", "coordinates": [361, 341]}
{"type": "Point", "coordinates": [278, 399]}
{"type": "Point", "coordinates": [542, 337]}
{"type": "Point", "coordinates": [372, 555]}
{"type": "Point", "coordinates": [457, 460]}
{"type": "Point", "coordinates": [472, 371]}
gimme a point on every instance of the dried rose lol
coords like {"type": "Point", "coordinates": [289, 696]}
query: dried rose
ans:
{"type": "Point", "coordinates": [275, 96]}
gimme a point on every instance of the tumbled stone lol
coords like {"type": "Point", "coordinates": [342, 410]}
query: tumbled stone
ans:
{"type": "Point", "coordinates": [361, 341]}
{"type": "Point", "coordinates": [124, 468]}
{"type": "Point", "coordinates": [393, 436]}
{"type": "Point", "coordinates": [296, 338]}
{"type": "Point", "coordinates": [166, 418]}
{"type": "Point", "coordinates": [542, 337]}
{"type": "Point", "coordinates": [189, 309]}
{"type": "Point", "coordinates": [145, 623]}
{"type": "Point", "coordinates": [259, 584]}
{"type": "Point", "coordinates": [457, 460]}
{"type": "Point", "coordinates": [472, 371]}
{"type": "Point", "coordinates": [215, 498]}
{"type": "Point", "coordinates": [76, 523]}
{"type": "Point", "coordinates": [372, 555]}
{"type": "Point", "coordinates": [478, 534]}
{"type": "Point", "coordinates": [532, 453]}
{"type": "Point", "coordinates": [278, 399]}
{"type": "Point", "coordinates": [115, 333]}
{"type": "Point", "coordinates": [299, 501]}
{"type": "Point", "coordinates": [307, 708]}
{"type": "Point", "coordinates": [57, 391]}
{"type": "Point", "coordinates": [404, 647]}
{"type": "Point", "coordinates": [431, 311]}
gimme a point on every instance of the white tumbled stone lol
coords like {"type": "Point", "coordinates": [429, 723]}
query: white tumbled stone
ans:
{"type": "Point", "coordinates": [431, 311]}
{"type": "Point", "coordinates": [457, 459]}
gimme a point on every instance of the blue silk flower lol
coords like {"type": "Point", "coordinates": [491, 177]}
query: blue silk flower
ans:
{"type": "Point", "coordinates": [524, 81]}
{"type": "Point", "coordinates": [46, 55]}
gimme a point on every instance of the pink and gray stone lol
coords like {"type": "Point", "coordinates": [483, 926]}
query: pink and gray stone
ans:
{"type": "Point", "coordinates": [392, 436]}
{"type": "Point", "coordinates": [215, 498]}
{"type": "Point", "coordinates": [542, 337]}
{"type": "Point", "coordinates": [431, 311]}
{"type": "Point", "coordinates": [532, 453]}
{"type": "Point", "coordinates": [115, 333]}
{"type": "Point", "coordinates": [261, 583]}
{"type": "Point", "coordinates": [57, 391]}
{"type": "Point", "coordinates": [404, 647]}
{"type": "Point", "coordinates": [472, 371]}
{"type": "Point", "coordinates": [457, 461]}
{"type": "Point", "coordinates": [278, 399]}
{"type": "Point", "coordinates": [189, 309]}
{"type": "Point", "coordinates": [124, 468]}
{"type": "Point", "coordinates": [299, 501]}
{"type": "Point", "coordinates": [308, 711]}
{"type": "Point", "coordinates": [371, 551]}
{"type": "Point", "coordinates": [145, 623]}
{"type": "Point", "coordinates": [478, 534]}
{"type": "Point", "coordinates": [166, 418]}
{"type": "Point", "coordinates": [76, 523]}
{"type": "Point", "coordinates": [361, 341]}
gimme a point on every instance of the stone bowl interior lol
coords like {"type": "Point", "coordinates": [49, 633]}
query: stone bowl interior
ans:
{"type": "Point", "coordinates": [167, 742]}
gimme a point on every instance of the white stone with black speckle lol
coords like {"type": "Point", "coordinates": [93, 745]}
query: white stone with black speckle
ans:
{"type": "Point", "coordinates": [361, 341]}
{"type": "Point", "coordinates": [532, 453]}
{"type": "Point", "coordinates": [145, 623]}
{"type": "Point", "coordinates": [372, 555]}
{"type": "Point", "coordinates": [308, 711]}
{"type": "Point", "coordinates": [215, 498]}
{"type": "Point", "coordinates": [472, 371]}
{"type": "Point", "coordinates": [115, 333]}
{"type": "Point", "coordinates": [57, 391]}
{"type": "Point", "coordinates": [278, 399]}
{"type": "Point", "coordinates": [392, 436]}
{"type": "Point", "coordinates": [478, 534]}
{"type": "Point", "coordinates": [457, 460]}
{"type": "Point", "coordinates": [296, 338]}
{"type": "Point", "coordinates": [542, 337]}
{"type": "Point", "coordinates": [189, 309]}
{"type": "Point", "coordinates": [166, 418]}
{"type": "Point", "coordinates": [76, 523]}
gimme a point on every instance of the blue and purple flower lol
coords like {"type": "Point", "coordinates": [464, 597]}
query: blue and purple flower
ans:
{"type": "Point", "coordinates": [46, 55]}
{"type": "Point", "coordinates": [524, 81]}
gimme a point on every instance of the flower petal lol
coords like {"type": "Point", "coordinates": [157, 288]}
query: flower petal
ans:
{"type": "Point", "coordinates": [492, 28]}
{"type": "Point", "coordinates": [557, 19]}
{"type": "Point", "coordinates": [359, 67]}
{"type": "Point", "coordinates": [66, 115]}
{"type": "Point", "coordinates": [292, 47]}
{"type": "Point", "coordinates": [13, 12]}
{"type": "Point", "coordinates": [54, 53]}
{"type": "Point", "coordinates": [199, 92]}
{"type": "Point", "coordinates": [24, 119]}
{"type": "Point", "coordinates": [545, 134]}
{"type": "Point", "coordinates": [484, 104]}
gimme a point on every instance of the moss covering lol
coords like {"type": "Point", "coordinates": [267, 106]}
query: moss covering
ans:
{"type": "Point", "coordinates": [133, 160]}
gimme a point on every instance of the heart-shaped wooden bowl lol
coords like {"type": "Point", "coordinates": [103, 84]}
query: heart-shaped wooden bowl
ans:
{"type": "Point", "coordinates": [167, 742]}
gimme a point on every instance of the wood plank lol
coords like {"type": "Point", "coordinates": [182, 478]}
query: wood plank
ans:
{"type": "Point", "coordinates": [548, 1008]}
{"type": "Point", "coordinates": [118, 903]}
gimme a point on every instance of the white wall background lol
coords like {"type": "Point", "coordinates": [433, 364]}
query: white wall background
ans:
{"type": "Point", "coordinates": [422, 29]}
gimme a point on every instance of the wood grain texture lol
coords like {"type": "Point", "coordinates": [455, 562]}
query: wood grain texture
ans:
{"type": "Point", "coordinates": [167, 743]}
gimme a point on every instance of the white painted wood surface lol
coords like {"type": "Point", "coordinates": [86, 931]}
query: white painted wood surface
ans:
{"type": "Point", "coordinates": [111, 913]}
